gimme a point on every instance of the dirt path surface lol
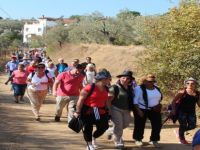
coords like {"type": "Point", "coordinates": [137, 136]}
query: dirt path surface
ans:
{"type": "Point", "coordinates": [19, 130]}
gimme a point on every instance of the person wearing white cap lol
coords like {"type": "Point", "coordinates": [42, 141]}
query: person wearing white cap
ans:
{"type": "Point", "coordinates": [89, 74]}
{"type": "Point", "coordinates": [186, 112]}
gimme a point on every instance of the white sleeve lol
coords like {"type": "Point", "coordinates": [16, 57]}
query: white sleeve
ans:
{"type": "Point", "coordinates": [49, 75]}
{"type": "Point", "coordinates": [30, 75]}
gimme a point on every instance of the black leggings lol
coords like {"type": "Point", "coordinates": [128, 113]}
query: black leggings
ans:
{"type": "Point", "coordinates": [101, 126]}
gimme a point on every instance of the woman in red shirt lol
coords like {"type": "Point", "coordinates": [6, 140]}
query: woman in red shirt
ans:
{"type": "Point", "coordinates": [91, 107]}
{"type": "Point", "coordinates": [18, 78]}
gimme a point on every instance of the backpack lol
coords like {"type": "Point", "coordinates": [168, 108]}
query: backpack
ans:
{"type": "Point", "coordinates": [46, 73]}
{"type": "Point", "coordinates": [92, 90]}
{"type": "Point", "coordinates": [143, 88]}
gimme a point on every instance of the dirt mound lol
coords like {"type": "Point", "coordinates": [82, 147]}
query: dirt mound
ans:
{"type": "Point", "coordinates": [114, 58]}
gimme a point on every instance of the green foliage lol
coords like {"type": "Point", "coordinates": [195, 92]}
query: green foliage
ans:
{"type": "Point", "coordinates": [56, 36]}
{"type": "Point", "coordinates": [36, 41]}
{"type": "Point", "coordinates": [10, 33]}
{"type": "Point", "coordinates": [96, 28]}
{"type": "Point", "coordinates": [176, 39]}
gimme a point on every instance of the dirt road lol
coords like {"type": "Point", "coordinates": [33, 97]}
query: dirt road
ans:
{"type": "Point", "coordinates": [19, 130]}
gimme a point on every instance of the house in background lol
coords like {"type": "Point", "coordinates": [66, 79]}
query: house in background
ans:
{"type": "Point", "coordinates": [39, 27]}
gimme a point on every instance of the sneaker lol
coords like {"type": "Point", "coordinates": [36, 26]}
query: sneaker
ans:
{"type": "Point", "coordinates": [184, 142]}
{"type": "Point", "coordinates": [154, 143]}
{"type": "Point", "coordinates": [90, 147]}
{"type": "Point", "coordinates": [176, 132]}
{"type": "Point", "coordinates": [57, 119]}
{"type": "Point", "coordinates": [138, 143]}
{"type": "Point", "coordinates": [119, 144]}
{"type": "Point", "coordinates": [94, 144]}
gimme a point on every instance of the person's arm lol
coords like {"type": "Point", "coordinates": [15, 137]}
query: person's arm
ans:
{"type": "Point", "coordinates": [138, 94]}
{"type": "Point", "coordinates": [176, 98]}
{"type": "Point", "coordinates": [55, 86]}
{"type": "Point", "coordinates": [9, 79]}
{"type": "Point", "coordinates": [79, 105]}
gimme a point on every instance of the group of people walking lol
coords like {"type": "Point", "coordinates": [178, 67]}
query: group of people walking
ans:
{"type": "Point", "coordinates": [88, 94]}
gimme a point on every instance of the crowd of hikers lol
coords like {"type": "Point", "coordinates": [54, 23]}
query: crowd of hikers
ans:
{"type": "Point", "coordinates": [88, 95]}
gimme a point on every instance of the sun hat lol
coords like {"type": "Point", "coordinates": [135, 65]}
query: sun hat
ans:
{"type": "Point", "coordinates": [126, 73]}
{"type": "Point", "coordinates": [41, 64]}
{"type": "Point", "coordinates": [191, 79]}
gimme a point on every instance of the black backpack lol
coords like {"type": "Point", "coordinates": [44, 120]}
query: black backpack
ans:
{"type": "Point", "coordinates": [46, 73]}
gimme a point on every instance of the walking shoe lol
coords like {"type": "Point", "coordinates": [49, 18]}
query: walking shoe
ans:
{"type": "Point", "coordinates": [176, 132]}
{"type": "Point", "coordinates": [184, 142]}
{"type": "Point", "coordinates": [138, 143]}
{"type": "Point", "coordinates": [154, 143]}
{"type": "Point", "coordinates": [90, 147]}
{"type": "Point", "coordinates": [119, 144]}
{"type": "Point", "coordinates": [57, 119]}
{"type": "Point", "coordinates": [94, 144]}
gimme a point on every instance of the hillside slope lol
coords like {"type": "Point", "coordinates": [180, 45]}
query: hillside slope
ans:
{"type": "Point", "coordinates": [114, 58]}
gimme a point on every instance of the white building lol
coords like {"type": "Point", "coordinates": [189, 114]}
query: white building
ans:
{"type": "Point", "coordinates": [37, 28]}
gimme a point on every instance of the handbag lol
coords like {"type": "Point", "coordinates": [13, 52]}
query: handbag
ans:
{"type": "Point", "coordinates": [75, 124]}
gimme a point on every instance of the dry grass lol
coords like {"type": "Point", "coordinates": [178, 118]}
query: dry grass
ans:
{"type": "Point", "coordinates": [114, 58]}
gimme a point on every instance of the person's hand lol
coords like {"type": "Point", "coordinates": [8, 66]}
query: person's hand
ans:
{"type": "Point", "coordinates": [76, 114]}
{"type": "Point", "coordinates": [54, 93]}
{"type": "Point", "coordinates": [140, 113]}
{"type": "Point", "coordinates": [173, 112]}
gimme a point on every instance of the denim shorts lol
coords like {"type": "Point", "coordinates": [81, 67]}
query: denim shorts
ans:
{"type": "Point", "coordinates": [19, 89]}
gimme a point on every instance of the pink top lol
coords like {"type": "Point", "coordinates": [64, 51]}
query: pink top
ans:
{"type": "Point", "coordinates": [19, 77]}
{"type": "Point", "coordinates": [69, 84]}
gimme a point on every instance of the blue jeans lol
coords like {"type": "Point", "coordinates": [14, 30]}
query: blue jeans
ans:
{"type": "Point", "coordinates": [187, 121]}
{"type": "Point", "coordinates": [19, 89]}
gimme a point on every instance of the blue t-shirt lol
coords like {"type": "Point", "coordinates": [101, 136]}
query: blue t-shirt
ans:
{"type": "Point", "coordinates": [196, 139]}
{"type": "Point", "coordinates": [61, 67]}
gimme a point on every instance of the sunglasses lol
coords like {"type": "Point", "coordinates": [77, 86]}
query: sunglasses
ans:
{"type": "Point", "coordinates": [151, 81]}
{"type": "Point", "coordinates": [40, 67]}
{"type": "Point", "coordinates": [190, 83]}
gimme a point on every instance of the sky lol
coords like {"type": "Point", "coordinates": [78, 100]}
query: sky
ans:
{"type": "Point", "coordinates": [27, 9]}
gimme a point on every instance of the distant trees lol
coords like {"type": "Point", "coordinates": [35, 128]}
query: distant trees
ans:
{"type": "Point", "coordinates": [10, 33]}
